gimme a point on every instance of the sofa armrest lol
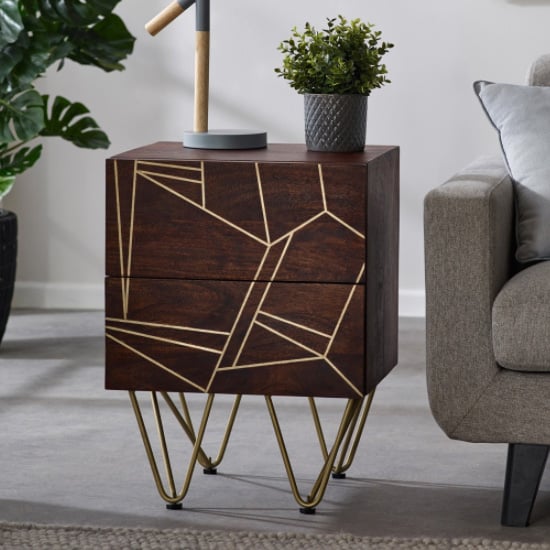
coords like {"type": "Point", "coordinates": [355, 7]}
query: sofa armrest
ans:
{"type": "Point", "coordinates": [468, 232]}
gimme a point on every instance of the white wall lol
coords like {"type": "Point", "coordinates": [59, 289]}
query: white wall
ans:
{"type": "Point", "coordinates": [441, 47]}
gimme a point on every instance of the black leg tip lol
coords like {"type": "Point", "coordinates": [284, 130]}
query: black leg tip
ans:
{"type": "Point", "coordinates": [174, 506]}
{"type": "Point", "coordinates": [210, 471]}
{"type": "Point", "coordinates": [514, 523]}
{"type": "Point", "coordinates": [307, 511]}
{"type": "Point", "coordinates": [338, 475]}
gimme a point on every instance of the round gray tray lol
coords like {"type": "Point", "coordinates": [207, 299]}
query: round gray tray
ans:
{"type": "Point", "coordinates": [225, 139]}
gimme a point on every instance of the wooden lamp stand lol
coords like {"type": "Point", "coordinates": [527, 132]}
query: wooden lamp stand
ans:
{"type": "Point", "coordinates": [201, 137]}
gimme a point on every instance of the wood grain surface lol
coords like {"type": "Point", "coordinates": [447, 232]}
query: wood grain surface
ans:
{"type": "Point", "coordinates": [266, 271]}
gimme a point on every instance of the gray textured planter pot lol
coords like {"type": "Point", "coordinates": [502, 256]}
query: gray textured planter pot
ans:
{"type": "Point", "coordinates": [335, 123]}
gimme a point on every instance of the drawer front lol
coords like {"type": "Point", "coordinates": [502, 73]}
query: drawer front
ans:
{"type": "Point", "coordinates": [235, 337]}
{"type": "Point", "coordinates": [236, 220]}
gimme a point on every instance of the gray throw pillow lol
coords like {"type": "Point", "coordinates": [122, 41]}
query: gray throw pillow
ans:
{"type": "Point", "coordinates": [521, 114]}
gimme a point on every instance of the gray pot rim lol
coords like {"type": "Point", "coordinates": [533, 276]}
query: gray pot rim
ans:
{"type": "Point", "coordinates": [343, 95]}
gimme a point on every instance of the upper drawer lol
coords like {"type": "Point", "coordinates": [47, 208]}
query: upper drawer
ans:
{"type": "Point", "coordinates": [236, 220]}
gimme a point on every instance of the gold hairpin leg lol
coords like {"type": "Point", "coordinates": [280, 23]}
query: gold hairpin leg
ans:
{"type": "Point", "coordinates": [184, 419]}
{"type": "Point", "coordinates": [353, 435]}
{"type": "Point", "coordinates": [169, 493]}
{"type": "Point", "coordinates": [309, 503]}
{"type": "Point", "coordinates": [336, 460]}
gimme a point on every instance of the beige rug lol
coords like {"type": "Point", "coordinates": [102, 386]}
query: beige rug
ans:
{"type": "Point", "coordinates": [22, 536]}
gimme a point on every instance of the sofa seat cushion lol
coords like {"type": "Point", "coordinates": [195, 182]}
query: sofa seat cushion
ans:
{"type": "Point", "coordinates": [521, 320]}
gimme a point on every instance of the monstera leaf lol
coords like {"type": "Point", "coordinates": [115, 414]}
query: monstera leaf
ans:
{"type": "Point", "coordinates": [69, 121]}
{"type": "Point", "coordinates": [10, 22]}
{"type": "Point", "coordinates": [104, 44]}
{"type": "Point", "coordinates": [86, 32]}
{"type": "Point", "coordinates": [21, 116]}
{"type": "Point", "coordinates": [34, 35]}
{"type": "Point", "coordinates": [13, 163]}
{"type": "Point", "coordinates": [6, 183]}
{"type": "Point", "coordinates": [26, 59]}
{"type": "Point", "coordinates": [71, 12]}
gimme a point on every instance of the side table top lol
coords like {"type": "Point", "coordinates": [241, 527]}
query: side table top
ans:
{"type": "Point", "coordinates": [276, 152]}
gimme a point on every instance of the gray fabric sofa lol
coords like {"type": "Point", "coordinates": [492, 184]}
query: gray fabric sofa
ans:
{"type": "Point", "coordinates": [488, 324]}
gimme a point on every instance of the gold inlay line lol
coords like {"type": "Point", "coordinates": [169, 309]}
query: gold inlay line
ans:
{"type": "Point", "coordinates": [260, 190]}
{"type": "Point", "coordinates": [172, 191]}
{"type": "Point", "coordinates": [238, 317]}
{"type": "Point", "coordinates": [316, 354]}
{"type": "Point", "coordinates": [154, 362]}
{"type": "Point", "coordinates": [346, 225]}
{"type": "Point", "coordinates": [345, 309]}
{"type": "Point", "coordinates": [268, 286]}
{"type": "Point", "coordinates": [203, 188]}
{"type": "Point", "coordinates": [361, 271]}
{"type": "Point", "coordinates": [343, 377]}
{"type": "Point", "coordinates": [298, 227]}
{"type": "Point", "coordinates": [271, 363]}
{"type": "Point", "coordinates": [297, 325]}
{"type": "Point", "coordinates": [161, 339]}
{"type": "Point", "coordinates": [125, 283]}
{"type": "Point", "coordinates": [120, 247]}
{"type": "Point", "coordinates": [289, 339]}
{"type": "Point", "coordinates": [209, 212]}
{"type": "Point", "coordinates": [161, 325]}
{"type": "Point", "coordinates": [132, 212]}
{"type": "Point", "coordinates": [119, 220]}
{"type": "Point", "coordinates": [322, 182]}
{"type": "Point", "coordinates": [166, 165]}
{"type": "Point", "coordinates": [168, 176]}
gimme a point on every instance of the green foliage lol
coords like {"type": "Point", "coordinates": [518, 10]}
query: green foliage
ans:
{"type": "Point", "coordinates": [67, 120]}
{"type": "Point", "coordinates": [344, 58]}
{"type": "Point", "coordinates": [34, 35]}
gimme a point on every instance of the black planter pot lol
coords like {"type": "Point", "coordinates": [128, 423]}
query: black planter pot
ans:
{"type": "Point", "coordinates": [335, 123]}
{"type": "Point", "coordinates": [8, 259]}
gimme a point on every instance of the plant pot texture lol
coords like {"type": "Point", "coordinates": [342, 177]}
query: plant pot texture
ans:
{"type": "Point", "coordinates": [8, 257]}
{"type": "Point", "coordinates": [335, 123]}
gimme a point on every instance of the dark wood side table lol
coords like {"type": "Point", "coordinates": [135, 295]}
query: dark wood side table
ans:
{"type": "Point", "coordinates": [270, 272]}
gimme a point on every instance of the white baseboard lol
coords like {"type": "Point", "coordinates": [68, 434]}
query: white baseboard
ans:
{"type": "Point", "coordinates": [58, 295]}
{"type": "Point", "coordinates": [412, 303]}
{"type": "Point", "coordinates": [88, 296]}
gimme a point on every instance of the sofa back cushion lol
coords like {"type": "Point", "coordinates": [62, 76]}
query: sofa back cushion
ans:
{"type": "Point", "coordinates": [521, 114]}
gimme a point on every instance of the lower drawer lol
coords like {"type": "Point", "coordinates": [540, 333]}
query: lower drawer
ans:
{"type": "Point", "coordinates": [235, 337]}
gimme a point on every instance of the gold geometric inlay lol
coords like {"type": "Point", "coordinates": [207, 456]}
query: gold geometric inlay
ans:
{"type": "Point", "coordinates": [164, 325]}
{"type": "Point", "coordinates": [155, 362]}
{"type": "Point", "coordinates": [151, 172]}
{"type": "Point", "coordinates": [162, 339]}
{"type": "Point", "coordinates": [271, 363]}
{"type": "Point", "coordinates": [297, 325]}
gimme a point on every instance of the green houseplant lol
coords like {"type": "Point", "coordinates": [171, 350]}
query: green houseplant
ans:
{"type": "Point", "coordinates": [34, 35]}
{"type": "Point", "coordinates": [335, 69]}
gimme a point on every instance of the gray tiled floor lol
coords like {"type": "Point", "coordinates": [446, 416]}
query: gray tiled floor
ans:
{"type": "Point", "coordinates": [71, 452]}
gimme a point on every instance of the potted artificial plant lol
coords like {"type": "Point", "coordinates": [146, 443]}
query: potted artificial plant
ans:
{"type": "Point", "coordinates": [35, 34]}
{"type": "Point", "coordinates": [335, 69]}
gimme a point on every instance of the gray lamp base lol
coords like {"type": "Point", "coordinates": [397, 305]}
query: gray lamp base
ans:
{"type": "Point", "coordinates": [225, 139]}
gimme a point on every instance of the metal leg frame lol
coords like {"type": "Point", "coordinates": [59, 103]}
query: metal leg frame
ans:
{"type": "Point", "coordinates": [336, 460]}
{"type": "Point", "coordinates": [347, 431]}
{"type": "Point", "coordinates": [169, 494]}
{"type": "Point", "coordinates": [186, 423]}
{"type": "Point", "coordinates": [353, 436]}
